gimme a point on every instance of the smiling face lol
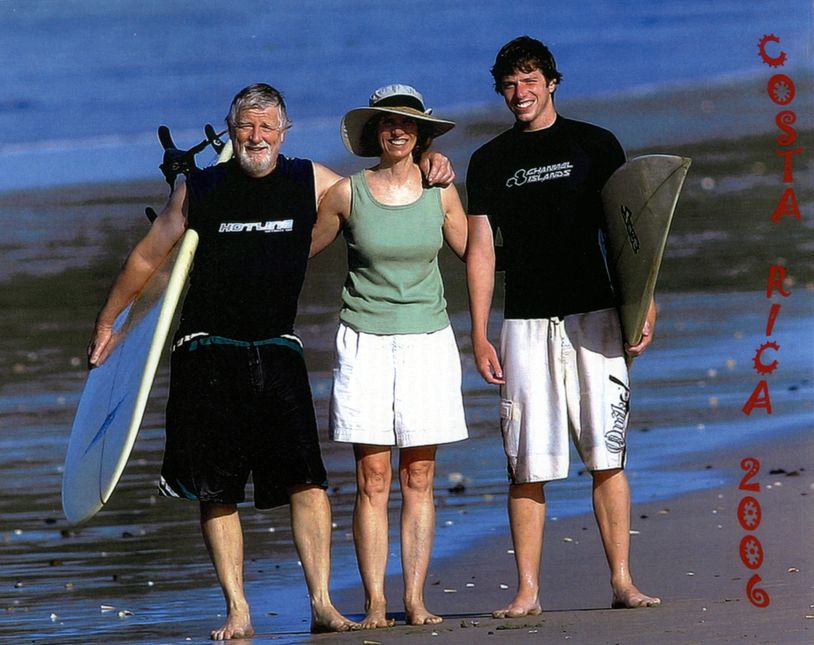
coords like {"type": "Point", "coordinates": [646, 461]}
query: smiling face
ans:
{"type": "Point", "coordinates": [529, 96]}
{"type": "Point", "coordinates": [257, 137]}
{"type": "Point", "coordinates": [397, 135]}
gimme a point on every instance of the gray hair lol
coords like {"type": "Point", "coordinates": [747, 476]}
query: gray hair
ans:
{"type": "Point", "coordinates": [257, 97]}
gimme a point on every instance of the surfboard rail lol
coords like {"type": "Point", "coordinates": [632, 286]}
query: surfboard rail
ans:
{"type": "Point", "coordinates": [115, 395]}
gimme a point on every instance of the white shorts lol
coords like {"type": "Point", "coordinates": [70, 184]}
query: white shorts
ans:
{"type": "Point", "coordinates": [563, 376]}
{"type": "Point", "coordinates": [397, 390]}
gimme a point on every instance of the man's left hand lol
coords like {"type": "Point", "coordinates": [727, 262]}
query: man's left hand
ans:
{"type": "Point", "coordinates": [437, 169]}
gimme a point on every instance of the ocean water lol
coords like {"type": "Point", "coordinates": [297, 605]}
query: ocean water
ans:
{"type": "Point", "coordinates": [87, 82]}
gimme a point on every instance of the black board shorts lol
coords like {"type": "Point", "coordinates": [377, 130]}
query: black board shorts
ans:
{"type": "Point", "coordinates": [237, 408]}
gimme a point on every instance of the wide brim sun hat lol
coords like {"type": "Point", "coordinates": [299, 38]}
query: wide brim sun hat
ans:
{"type": "Point", "coordinates": [391, 99]}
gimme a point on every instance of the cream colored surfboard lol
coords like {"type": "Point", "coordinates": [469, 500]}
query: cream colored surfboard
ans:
{"type": "Point", "coordinates": [638, 201]}
{"type": "Point", "coordinates": [112, 403]}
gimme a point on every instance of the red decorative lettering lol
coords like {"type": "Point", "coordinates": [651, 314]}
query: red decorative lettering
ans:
{"type": "Point", "coordinates": [781, 89]}
{"type": "Point", "coordinates": [752, 468]}
{"type": "Point", "coordinates": [771, 61]}
{"type": "Point", "coordinates": [788, 172]}
{"type": "Point", "coordinates": [772, 317]}
{"type": "Point", "coordinates": [749, 513]}
{"type": "Point", "coordinates": [758, 597]}
{"type": "Point", "coordinates": [784, 121]}
{"type": "Point", "coordinates": [758, 399]}
{"type": "Point", "coordinates": [777, 274]}
{"type": "Point", "coordinates": [786, 206]}
{"type": "Point", "coordinates": [760, 366]}
{"type": "Point", "coordinates": [751, 551]}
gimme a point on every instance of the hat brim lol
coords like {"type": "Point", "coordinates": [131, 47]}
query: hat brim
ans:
{"type": "Point", "coordinates": [353, 124]}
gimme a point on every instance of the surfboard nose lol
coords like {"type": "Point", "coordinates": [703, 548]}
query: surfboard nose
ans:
{"type": "Point", "coordinates": [638, 202]}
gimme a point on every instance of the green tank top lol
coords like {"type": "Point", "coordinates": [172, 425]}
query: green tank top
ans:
{"type": "Point", "coordinates": [393, 284]}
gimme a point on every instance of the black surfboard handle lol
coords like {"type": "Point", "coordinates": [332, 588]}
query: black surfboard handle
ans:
{"type": "Point", "coordinates": [165, 137]}
{"type": "Point", "coordinates": [182, 162]}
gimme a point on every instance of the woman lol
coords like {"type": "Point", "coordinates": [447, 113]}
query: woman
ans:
{"type": "Point", "coordinates": [398, 375]}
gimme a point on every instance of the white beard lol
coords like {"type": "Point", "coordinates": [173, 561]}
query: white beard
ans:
{"type": "Point", "coordinates": [254, 166]}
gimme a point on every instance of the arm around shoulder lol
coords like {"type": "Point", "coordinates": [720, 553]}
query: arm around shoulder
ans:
{"type": "Point", "coordinates": [333, 210]}
{"type": "Point", "coordinates": [436, 168]}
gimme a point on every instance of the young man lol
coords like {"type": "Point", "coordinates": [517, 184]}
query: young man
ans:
{"type": "Point", "coordinates": [561, 366]}
{"type": "Point", "coordinates": [240, 400]}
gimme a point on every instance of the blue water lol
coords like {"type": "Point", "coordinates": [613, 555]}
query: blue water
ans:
{"type": "Point", "coordinates": [87, 82]}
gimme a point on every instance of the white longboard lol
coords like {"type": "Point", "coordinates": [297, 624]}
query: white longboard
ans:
{"type": "Point", "coordinates": [112, 404]}
{"type": "Point", "coordinates": [638, 202]}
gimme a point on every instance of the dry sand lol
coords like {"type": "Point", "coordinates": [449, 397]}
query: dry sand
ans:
{"type": "Point", "coordinates": [685, 550]}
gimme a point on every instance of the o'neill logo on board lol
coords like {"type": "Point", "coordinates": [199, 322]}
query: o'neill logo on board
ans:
{"type": "Point", "coordinates": [279, 226]}
{"type": "Point", "coordinates": [627, 216]}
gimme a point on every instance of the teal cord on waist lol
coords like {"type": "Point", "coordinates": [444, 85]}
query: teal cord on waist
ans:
{"type": "Point", "coordinates": [220, 340]}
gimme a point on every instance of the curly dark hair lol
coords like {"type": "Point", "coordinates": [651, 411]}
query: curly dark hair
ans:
{"type": "Point", "coordinates": [524, 54]}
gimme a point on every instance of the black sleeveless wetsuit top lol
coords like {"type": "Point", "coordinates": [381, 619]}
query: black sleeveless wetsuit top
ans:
{"type": "Point", "coordinates": [255, 234]}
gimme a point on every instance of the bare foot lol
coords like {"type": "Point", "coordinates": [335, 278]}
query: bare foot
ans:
{"type": "Point", "coordinates": [328, 619]}
{"type": "Point", "coordinates": [376, 617]}
{"type": "Point", "coordinates": [519, 607]}
{"type": "Point", "coordinates": [631, 598]}
{"type": "Point", "coordinates": [238, 625]}
{"type": "Point", "coordinates": [421, 617]}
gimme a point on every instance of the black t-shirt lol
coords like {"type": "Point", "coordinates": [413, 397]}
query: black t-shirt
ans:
{"type": "Point", "coordinates": [255, 234]}
{"type": "Point", "coordinates": [541, 190]}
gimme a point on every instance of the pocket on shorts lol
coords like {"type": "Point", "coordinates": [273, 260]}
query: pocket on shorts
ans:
{"type": "Point", "coordinates": [510, 417]}
{"type": "Point", "coordinates": [341, 397]}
